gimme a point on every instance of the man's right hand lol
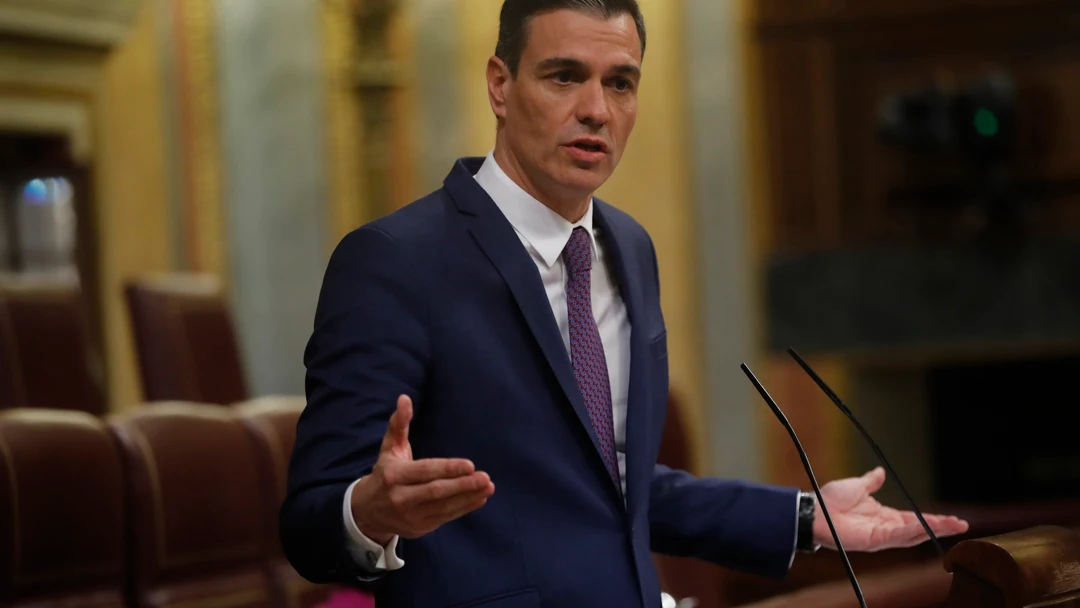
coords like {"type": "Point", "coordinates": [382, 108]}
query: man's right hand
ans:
{"type": "Point", "coordinates": [411, 498]}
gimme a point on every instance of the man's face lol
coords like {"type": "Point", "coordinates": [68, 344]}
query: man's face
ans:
{"type": "Point", "coordinates": [568, 113]}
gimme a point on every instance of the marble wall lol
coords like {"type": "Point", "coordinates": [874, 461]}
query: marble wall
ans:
{"type": "Point", "coordinates": [438, 112]}
{"type": "Point", "coordinates": [716, 93]}
{"type": "Point", "coordinates": [275, 196]}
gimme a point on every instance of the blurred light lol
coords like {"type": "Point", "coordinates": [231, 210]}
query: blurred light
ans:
{"type": "Point", "coordinates": [47, 191]}
{"type": "Point", "coordinates": [986, 122]}
{"type": "Point", "coordinates": [35, 192]}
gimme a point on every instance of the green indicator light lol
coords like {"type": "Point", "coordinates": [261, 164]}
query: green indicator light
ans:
{"type": "Point", "coordinates": [986, 123]}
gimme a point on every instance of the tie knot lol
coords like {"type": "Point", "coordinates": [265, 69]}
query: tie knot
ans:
{"type": "Point", "coordinates": [578, 252]}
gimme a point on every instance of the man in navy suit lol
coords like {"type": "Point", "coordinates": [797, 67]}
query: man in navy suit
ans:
{"type": "Point", "coordinates": [487, 377]}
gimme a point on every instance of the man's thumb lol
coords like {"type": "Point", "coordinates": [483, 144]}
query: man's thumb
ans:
{"type": "Point", "coordinates": [397, 434]}
{"type": "Point", "coordinates": [874, 479]}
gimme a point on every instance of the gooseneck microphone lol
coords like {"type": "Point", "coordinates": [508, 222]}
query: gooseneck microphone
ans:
{"type": "Point", "coordinates": [813, 480]}
{"type": "Point", "coordinates": [873, 445]}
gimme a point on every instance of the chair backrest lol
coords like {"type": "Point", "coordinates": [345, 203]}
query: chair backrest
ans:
{"type": "Point", "coordinates": [47, 354]}
{"type": "Point", "coordinates": [271, 423]}
{"type": "Point", "coordinates": [185, 339]}
{"type": "Point", "coordinates": [197, 513]}
{"type": "Point", "coordinates": [11, 391]}
{"type": "Point", "coordinates": [675, 442]}
{"type": "Point", "coordinates": [61, 511]}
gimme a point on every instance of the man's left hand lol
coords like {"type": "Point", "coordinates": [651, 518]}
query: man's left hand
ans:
{"type": "Point", "coordinates": [864, 524]}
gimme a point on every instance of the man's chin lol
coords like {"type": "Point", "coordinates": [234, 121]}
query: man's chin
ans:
{"type": "Point", "coordinates": [585, 179]}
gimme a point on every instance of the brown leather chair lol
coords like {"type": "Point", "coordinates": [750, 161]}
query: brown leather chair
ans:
{"type": "Point", "coordinates": [197, 517]}
{"type": "Point", "coordinates": [44, 337]}
{"type": "Point", "coordinates": [10, 381]}
{"type": "Point", "coordinates": [271, 423]}
{"type": "Point", "coordinates": [61, 511]}
{"type": "Point", "coordinates": [185, 340]}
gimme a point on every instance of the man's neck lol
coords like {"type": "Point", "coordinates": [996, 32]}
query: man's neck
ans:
{"type": "Point", "coordinates": [571, 209]}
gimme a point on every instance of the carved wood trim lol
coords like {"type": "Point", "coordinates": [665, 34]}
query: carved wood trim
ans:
{"type": "Point", "coordinates": [92, 23]}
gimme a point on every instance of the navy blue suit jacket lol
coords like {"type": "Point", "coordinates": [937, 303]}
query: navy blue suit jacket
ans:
{"type": "Point", "coordinates": [441, 301]}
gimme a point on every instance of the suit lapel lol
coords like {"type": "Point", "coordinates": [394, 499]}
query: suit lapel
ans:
{"type": "Point", "coordinates": [497, 239]}
{"type": "Point", "coordinates": [619, 248]}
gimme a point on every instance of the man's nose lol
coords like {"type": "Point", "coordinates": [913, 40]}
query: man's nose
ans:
{"type": "Point", "coordinates": [593, 107]}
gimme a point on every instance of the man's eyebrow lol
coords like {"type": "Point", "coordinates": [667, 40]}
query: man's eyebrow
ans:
{"type": "Point", "coordinates": [567, 63]}
{"type": "Point", "coordinates": [562, 63]}
{"type": "Point", "coordinates": [627, 69]}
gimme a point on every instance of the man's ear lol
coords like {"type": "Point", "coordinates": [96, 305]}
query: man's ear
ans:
{"type": "Point", "coordinates": [498, 83]}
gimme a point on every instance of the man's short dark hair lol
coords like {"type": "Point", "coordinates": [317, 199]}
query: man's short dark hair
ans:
{"type": "Point", "coordinates": [516, 15]}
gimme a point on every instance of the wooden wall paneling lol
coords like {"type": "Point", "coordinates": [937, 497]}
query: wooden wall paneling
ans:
{"type": "Point", "coordinates": [800, 120]}
{"type": "Point", "coordinates": [832, 176]}
{"type": "Point", "coordinates": [802, 12]}
{"type": "Point", "coordinates": [1041, 54]}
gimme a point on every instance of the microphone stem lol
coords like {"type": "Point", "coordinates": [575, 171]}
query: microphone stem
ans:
{"type": "Point", "coordinates": [892, 473]}
{"type": "Point", "coordinates": [813, 482]}
{"type": "Point", "coordinates": [831, 394]}
{"type": "Point", "coordinates": [821, 503]}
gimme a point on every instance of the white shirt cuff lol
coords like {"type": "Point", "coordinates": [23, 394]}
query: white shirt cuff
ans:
{"type": "Point", "coordinates": [366, 552]}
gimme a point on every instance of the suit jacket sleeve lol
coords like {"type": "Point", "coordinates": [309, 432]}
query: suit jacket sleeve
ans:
{"type": "Point", "coordinates": [369, 345]}
{"type": "Point", "coordinates": [745, 526]}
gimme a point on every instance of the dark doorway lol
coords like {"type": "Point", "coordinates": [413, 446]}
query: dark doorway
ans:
{"type": "Point", "coordinates": [1006, 432]}
{"type": "Point", "coordinates": [47, 226]}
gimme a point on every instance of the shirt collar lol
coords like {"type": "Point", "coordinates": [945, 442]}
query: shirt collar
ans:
{"type": "Point", "coordinates": [547, 231]}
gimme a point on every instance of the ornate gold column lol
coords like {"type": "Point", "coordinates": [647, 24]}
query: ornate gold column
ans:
{"type": "Point", "coordinates": [343, 120]}
{"type": "Point", "coordinates": [369, 166]}
{"type": "Point", "coordinates": [198, 136]}
{"type": "Point", "coordinates": [378, 82]}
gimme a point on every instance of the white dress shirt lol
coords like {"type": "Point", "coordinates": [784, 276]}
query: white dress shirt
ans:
{"type": "Point", "coordinates": [544, 235]}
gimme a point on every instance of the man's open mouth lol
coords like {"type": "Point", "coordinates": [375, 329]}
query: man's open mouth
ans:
{"type": "Point", "coordinates": [588, 147]}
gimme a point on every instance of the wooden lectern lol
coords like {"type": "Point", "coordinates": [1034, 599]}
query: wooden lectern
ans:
{"type": "Point", "coordinates": [1035, 567]}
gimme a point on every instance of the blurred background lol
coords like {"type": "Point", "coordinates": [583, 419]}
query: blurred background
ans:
{"type": "Point", "coordinates": [891, 187]}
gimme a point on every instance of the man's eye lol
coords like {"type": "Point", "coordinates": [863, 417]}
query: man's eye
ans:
{"type": "Point", "coordinates": [563, 77]}
{"type": "Point", "coordinates": [623, 84]}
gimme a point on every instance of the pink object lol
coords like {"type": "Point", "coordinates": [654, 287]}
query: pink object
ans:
{"type": "Point", "coordinates": [348, 598]}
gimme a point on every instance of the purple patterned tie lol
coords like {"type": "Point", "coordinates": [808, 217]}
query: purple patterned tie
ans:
{"type": "Point", "coordinates": [586, 349]}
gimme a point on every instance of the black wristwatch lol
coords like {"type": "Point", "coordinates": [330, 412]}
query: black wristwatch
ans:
{"type": "Point", "coordinates": [804, 542]}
